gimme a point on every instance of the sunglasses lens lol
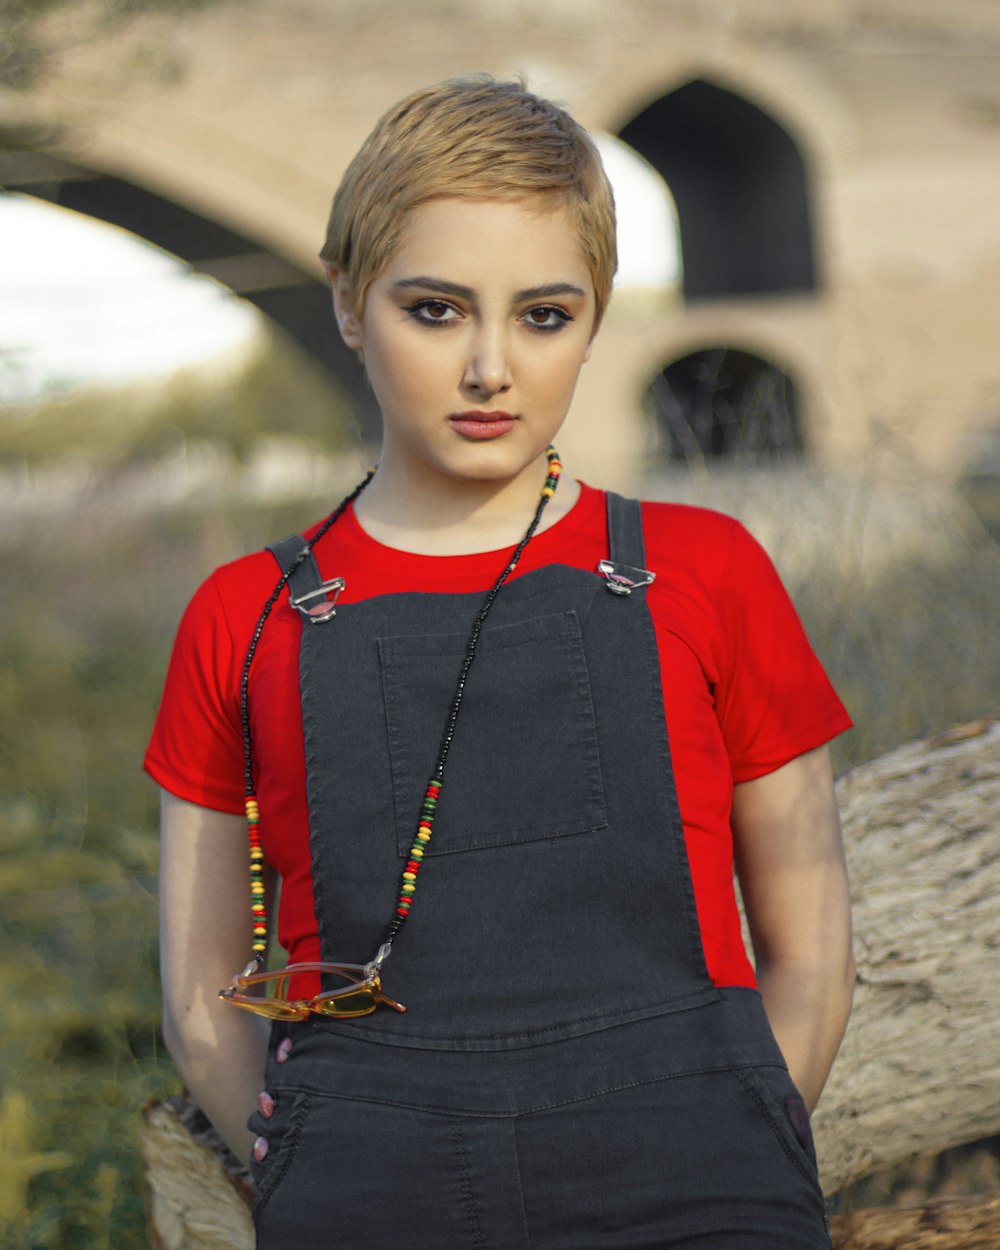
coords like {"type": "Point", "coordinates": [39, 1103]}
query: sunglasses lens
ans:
{"type": "Point", "coordinates": [359, 1002]}
{"type": "Point", "coordinates": [272, 1008]}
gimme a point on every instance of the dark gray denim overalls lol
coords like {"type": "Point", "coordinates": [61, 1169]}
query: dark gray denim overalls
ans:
{"type": "Point", "coordinates": [567, 1077]}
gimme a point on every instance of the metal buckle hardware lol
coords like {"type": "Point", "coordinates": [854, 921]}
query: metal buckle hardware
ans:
{"type": "Point", "coordinates": [622, 579]}
{"type": "Point", "coordinates": [327, 594]}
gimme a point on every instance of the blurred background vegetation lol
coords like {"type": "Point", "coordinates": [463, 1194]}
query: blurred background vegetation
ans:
{"type": "Point", "coordinates": [91, 596]}
{"type": "Point", "coordinates": [90, 599]}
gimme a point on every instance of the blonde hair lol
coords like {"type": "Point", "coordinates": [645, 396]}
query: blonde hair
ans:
{"type": "Point", "coordinates": [470, 138]}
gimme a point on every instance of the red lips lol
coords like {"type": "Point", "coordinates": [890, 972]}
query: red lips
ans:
{"type": "Point", "coordinates": [482, 425]}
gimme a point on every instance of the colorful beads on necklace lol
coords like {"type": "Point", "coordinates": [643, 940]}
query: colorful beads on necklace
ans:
{"type": "Point", "coordinates": [258, 911]}
{"type": "Point", "coordinates": [555, 469]}
{"type": "Point", "coordinates": [425, 827]}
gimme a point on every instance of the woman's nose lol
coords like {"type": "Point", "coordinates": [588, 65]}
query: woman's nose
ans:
{"type": "Point", "coordinates": [487, 370]}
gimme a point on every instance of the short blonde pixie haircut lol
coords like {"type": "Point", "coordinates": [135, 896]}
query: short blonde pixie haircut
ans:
{"type": "Point", "coordinates": [470, 138]}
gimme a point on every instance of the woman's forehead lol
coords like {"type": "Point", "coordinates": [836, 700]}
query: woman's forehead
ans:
{"type": "Point", "coordinates": [528, 242]}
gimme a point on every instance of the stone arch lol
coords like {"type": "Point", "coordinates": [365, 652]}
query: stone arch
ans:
{"type": "Point", "coordinates": [742, 189]}
{"type": "Point", "coordinates": [721, 402]}
{"type": "Point", "coordinates": [291, 298]}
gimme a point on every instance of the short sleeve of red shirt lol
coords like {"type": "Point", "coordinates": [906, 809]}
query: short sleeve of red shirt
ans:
{"type": "Point", "coordinates": [773, 701]}
{"type": "Point", "coordinates": [196, 747]}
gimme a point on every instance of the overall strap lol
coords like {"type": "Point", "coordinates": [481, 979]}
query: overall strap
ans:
{"type": "Point", "coordinates": [623, 569]}
{"type": "Point", "coordinates": [306, 577]}
{"type": "Point", "coordinates": [314, 599]}
{"type": "Point", "coordinates": [625, 543]}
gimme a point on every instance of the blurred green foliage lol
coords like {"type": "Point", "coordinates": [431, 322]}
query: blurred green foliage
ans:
{"type": "Point", "coordinates": [89, 605]}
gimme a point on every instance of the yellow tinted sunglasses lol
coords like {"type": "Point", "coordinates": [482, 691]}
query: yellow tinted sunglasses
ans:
{"type": "Point", "coordinates": [352, 990]}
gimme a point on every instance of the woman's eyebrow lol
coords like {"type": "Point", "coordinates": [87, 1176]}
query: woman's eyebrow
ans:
{"type": "Point", "coordinates": [549, 291]}
{"type": "Point", "coordinates": [436, 284]}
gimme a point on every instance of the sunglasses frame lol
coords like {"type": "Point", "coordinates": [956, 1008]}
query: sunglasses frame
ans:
{"type": "Point", "coordinates": [365, 978]}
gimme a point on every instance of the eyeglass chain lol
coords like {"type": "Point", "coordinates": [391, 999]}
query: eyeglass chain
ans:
{"type": "Point", "coordinates": [432, 793]}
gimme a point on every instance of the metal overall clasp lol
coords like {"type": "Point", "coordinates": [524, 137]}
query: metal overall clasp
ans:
{"type": "Point", "coordinates": [622, 579]}
{"type": "Point", "coordinates": [321, 604]}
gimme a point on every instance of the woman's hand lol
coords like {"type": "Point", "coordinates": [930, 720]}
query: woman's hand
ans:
{"type": "Point", "coordinates": [205, 937]}
{"type": "Point", "coordinates": [265, 1103]}
{"type": "Point", "coordinates": [790, 861]}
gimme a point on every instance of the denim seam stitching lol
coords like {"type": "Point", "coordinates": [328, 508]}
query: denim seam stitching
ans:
{"type": "Point", "coordinates": [520, 1186]}
{"type": "Point", "coordinates": [469, 1199]}
{"type": "Point", "coordinates": [642, 1012]}
{"type": "Point", "coordinates": [433, 1109]}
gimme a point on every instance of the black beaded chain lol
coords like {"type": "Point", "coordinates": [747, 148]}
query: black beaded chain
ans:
{"type": "Point", "coordinates": [428, 807]}
{"type": "Point", "coordinates": [251, 806]}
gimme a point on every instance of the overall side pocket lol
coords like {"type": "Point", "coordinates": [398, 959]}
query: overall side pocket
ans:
{"type": "Point", "coordinates": [283, 1131]}
{"type": "Point", "coordinates": [782, 1107]}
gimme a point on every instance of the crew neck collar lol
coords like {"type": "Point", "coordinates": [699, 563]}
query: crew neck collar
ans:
{"type": "Point", "coordinates": [352, 539]}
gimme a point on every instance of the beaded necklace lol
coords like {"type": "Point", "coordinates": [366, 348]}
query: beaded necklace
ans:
{"type": "Point", "coordinates": [432, 792]}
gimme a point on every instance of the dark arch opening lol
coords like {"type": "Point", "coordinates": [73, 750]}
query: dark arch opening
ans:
{"type": "Point", "coordinates": [741, 190]}
{"type": "Point", "coordinates": [294, 300]}
{"type": "Point", "coordinates": [722, 404]}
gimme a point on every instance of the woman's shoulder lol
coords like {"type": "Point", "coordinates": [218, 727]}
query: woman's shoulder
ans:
{"type": "Point", "coordinates": [690, 519]}
{"type": "Point", "coordinates": [671, 519]}
{"type": "Point", "coordinates": [687, 536]}
{"type": "Point", "coordinates": [251, 573]}
{"type": "Point", "coordinates": [232, 596]}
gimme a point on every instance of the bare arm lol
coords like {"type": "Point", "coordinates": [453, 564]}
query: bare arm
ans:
{"type": "Point", "coordinates": [204, 938]}
{"type": "Point", "coordinates": [790, 860]}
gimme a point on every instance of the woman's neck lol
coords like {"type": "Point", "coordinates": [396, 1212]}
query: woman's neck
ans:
{"type": "Point", "coordinates": [463, 518]}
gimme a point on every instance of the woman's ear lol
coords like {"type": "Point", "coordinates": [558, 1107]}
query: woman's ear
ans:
{"type": "Point", "coordinates": [347, 321]}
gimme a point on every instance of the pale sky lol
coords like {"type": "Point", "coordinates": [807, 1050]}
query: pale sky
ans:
{"type": "Point", "coordinates": [648, 244]}
{"type": "Point", "coordinates": [81, 300]}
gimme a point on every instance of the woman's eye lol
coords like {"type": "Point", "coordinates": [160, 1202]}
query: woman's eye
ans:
{"type": "Point", "coordinates": [545, 318]}
{"type": "Point", "coordinates": [432, 312]}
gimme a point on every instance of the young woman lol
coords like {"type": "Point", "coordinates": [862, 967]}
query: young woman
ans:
{"type": "Point", "coordinates": [501, 736]}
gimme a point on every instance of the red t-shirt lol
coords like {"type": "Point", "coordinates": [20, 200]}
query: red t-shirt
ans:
{"type": "Point", "coordinates": [743, 691]}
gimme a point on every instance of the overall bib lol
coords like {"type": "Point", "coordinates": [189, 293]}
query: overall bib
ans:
{"type": "Point", "coordinates": [566, 1077]}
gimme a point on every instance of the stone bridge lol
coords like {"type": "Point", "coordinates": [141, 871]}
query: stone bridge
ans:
{"type": "Point", "coordinates": [835, 166]}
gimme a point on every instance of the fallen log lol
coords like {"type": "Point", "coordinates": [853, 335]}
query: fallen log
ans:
{"type": "Point", "coordinates": [920, 1067]}
{"type": "Point", "coordinates": [919, 1070]}
{"type": "Point", "coordinates": [197, 1192]}
{"type": "Point", "coordinates": [943, 1224]}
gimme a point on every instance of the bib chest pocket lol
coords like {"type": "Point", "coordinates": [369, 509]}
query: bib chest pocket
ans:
{"type": "Point", "coordinates": [524, 763]}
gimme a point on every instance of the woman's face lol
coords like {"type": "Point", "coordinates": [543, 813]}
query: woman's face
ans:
{"type": "Point", "coordinates": [473, 337]}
